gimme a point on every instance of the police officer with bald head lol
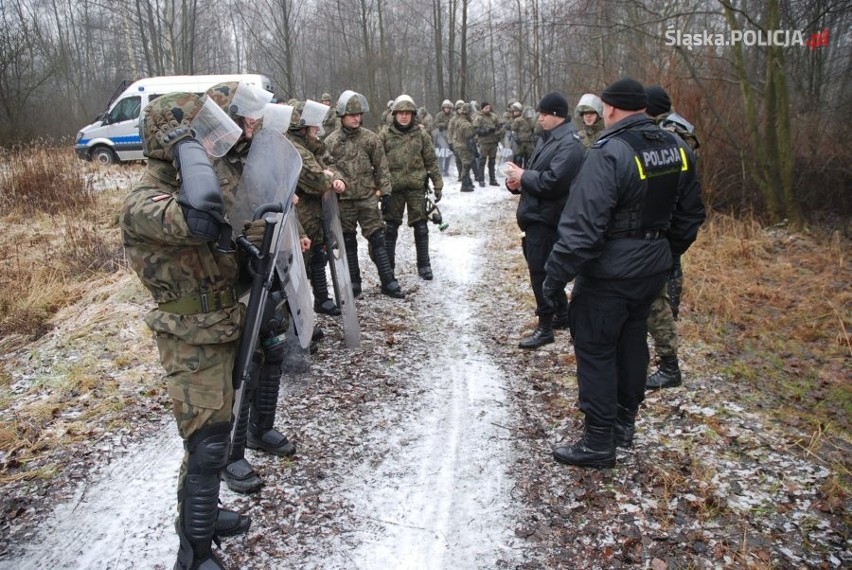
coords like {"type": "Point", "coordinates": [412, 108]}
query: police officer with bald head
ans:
{"type": "Point", "coordinates": [635, 203]}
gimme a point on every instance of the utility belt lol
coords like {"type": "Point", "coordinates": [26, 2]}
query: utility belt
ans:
{"type": "Point", "coordinates": [206, 302]}
{"type": "Point", "coordinates": [639, 234]}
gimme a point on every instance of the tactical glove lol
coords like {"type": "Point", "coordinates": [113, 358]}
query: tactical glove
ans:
{"type": "Point", "coordinates": [438, 192]}
{"type": "Point", "coordinates": [550, 289]}
{"type": "Point", "coordinates": [385, 199]}
{"type": "Point", "coordinates": [675, 286]}
{"type": "Point", "coordinates": [254, 231]}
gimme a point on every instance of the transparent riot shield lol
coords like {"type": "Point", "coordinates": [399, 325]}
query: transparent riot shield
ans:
{"type": "Point", "coordinates": [290, 266]}
{"type": "Point", "coordinates": [340, 269]}
{"type": "Point", "coordinates": [270, 174]}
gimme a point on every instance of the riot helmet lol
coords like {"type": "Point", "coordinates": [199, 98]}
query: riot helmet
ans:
{"type": "Point", "coordinates": [351, 103]}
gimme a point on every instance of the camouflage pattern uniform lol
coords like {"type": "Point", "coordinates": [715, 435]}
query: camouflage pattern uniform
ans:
{"type": "Point", "coordinates": [412, 163]}
{"type": "Point", "coordinates": [464, 143]}
{"type": "Point", "coordinates": [440, 134]}
{"type": "Point", "coordinates": [261, 394]}
{"type": "Point", "coordinates": [360, 158]}
{"type": "Point", "coordinates": [661, 320]}
{"type": "Point", "coordinates": [589, 103]}
{"type": "Point", "coordinates": [197, 341]}
{"type": "Point", "coordinates": [522, 134]}
{"type": "Point", "coordinates": [487, 129]}
{"type": "Point", "coordinates": [451, 135]}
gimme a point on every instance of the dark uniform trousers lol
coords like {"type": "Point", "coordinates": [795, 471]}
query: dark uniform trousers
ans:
{"type": "Point", "coordinates": [609, 327]}
{"type": "Point", "coordinates": [537, 243]}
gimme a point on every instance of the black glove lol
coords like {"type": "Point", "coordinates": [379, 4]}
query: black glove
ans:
{"type": "Point", "coordinates": [385, 199]}
{"type": "Point", "coordinates": [675, 286]}
{"type": "Point", "coordinates": [550, 289]}
{"type": "Point", "coordinates": [438, 192]}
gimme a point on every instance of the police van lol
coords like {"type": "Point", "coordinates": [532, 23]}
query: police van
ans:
{"type": "Point", "coordinates": [114, 136]}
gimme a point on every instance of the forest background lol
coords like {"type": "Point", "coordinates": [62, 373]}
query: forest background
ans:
{"type": "Point", "coordinates": [773, 118]}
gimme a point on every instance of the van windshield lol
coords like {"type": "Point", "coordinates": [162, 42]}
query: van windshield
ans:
{"type": "Point", "coordinates": [125, 110]}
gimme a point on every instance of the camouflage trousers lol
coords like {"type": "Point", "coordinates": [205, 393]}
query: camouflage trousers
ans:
{"type": "Point", "coordinates": [364, 212]}
{"type": "Point", "coordinates": [309, 209]}
{"type": "Point", "coordinates": [662, 326]}
{"type": "Point", "coordinates": [413, 199]}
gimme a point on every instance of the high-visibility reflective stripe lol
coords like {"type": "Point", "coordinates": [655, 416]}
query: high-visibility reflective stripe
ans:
{"type": "Point", "coordinates": [684, 166]}
{"type": "Point", "coordinates": [639, 166]}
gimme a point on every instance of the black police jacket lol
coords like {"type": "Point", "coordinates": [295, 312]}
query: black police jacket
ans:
{"type": "Point", "coordinates": [610, 181]}
{"type": "Point", "coordinates": [554, 164]}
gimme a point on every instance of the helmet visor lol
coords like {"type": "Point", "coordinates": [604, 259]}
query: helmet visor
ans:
{"type": "Point", "coordinates": [277, 117]}
{"type": "Point", "coordinates": [215, 129]}
{"type": "Point", "coordinates": [250, 101]}
{"type": "Point", "coordinates": [314, 113]}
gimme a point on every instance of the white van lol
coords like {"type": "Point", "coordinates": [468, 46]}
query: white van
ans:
{"type": "Point", "coordinates": [114, 136]}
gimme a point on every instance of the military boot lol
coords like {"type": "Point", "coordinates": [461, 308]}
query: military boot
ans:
{"type": "Point", "coordinates": [238, 474]}
{"type": "Point", "coordinates": [624, 428]}
{"type": "Point", "coordinates": [319, 283]}
{"type": "Point", "coordinates": [667, 375]}
{"type": "Point", "coordinates": [261, 433]}
{"type": "Point", "coordinates": [466, 182]}
{"type": "Point", "coordinates": [421, 244]}
{"type": "Point", "coordinates": [231, 523]}
{"type": "Point", "coordinates": [543, 334]}
{"type": "Point", "coordinates": [350, 240]}
{"type": "Point", "coordinates": [391, 234]}
{"type": "Point", "coordinates": [198, 498]}
{"type": "Point", "coordinates": [390, 286]}
{"type": "Point", "coordinates": [492, 178]}
{"type": "Point", "coordinates": [595, 449]}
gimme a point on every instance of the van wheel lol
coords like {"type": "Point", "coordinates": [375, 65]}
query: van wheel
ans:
{"type": "Point", "coordinates": [103, 155]}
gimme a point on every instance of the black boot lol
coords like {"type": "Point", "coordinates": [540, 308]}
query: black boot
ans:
{"type": "Point", "coordinates": [561, 319]}
{"type": "Point", "coordinates": [261, 433]}
{"type": "Point", "coordinates": [231, 523]}
{"type": "Point", "coordinates": [492, 178]}
{"type": "Point", "coordinates": [350, 241]}
{"type": "Point", "coordinates": [391, 233]}
{"type": "Point", "coordinates": [464, 178]}
{"type": "Point", "coordinates": [595, 449]}
{"type": "Point", "coordinates": [421, 244]}
{"type": "Point", "coordinates": [198, 498]}
{"type": "Point", "coordinates": [667, 375]}
{"type": "Point", "coordinates": [319, 283]}
{"type": "Point", "coordinates": [542, 335]}
{"type": "Point", "coordinates": [390, 286]}
{"type": "Point", "coordinates": [624, 428]}
{"type": "Point", "coordinates": [238, 474]}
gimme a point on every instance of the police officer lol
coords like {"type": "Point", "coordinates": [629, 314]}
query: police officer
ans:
{"type": "Point", "coordinates": [635, 203]}
{"type": "Point", "coordinates": [664, 311]}
{"type": "Point", "coordinates": [412, 163]}
{"type": "Point", "coordinates": [245, 104]}
{"type": "Point", "coordinates": [171, 223]}
{"type": "Point", "coordinates": [357, 154]}
{"type": "Point", "coordinates": [543, 187]}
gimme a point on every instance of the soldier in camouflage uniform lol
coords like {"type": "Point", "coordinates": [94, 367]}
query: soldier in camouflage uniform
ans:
{"type": "Point", "coordinates": [487, 129]}
{"type": "Point", "coordinates": [589, 113]}
{"type": "Point", "coordinates": [464, 142]}
{"type": "Point", "coordinates": [358, 155]}
{"type": "Point", "coordinates": [331, 122]}
{"type": "Point", "coordinates": [522, 134]}
{"type": "Point", "coordinates": [664, 310]}
{"type": "Point", "coordinates": [315, 179]}
{"type": "Point", "coordinates": [440, 134]}
{"type": "Point", "coordinates": [167, 235]}
{"type": "Point", "coordinates": [451, 132]}
{"type": "Point", "coordinates": [245, 105]}
{"type": "Point", "coordinates": [412, 163]}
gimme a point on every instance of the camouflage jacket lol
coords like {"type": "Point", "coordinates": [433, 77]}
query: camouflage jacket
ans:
{"type": "Point", "coordinates": [312, 179]}
{"type": "Point", "coordinates": [463, 135]}
{"type": "Point", "coordinates": [331, 123]}
{"type": "Point", "coordinates": [487, 128]}
{"type": "Point", "coordinates": [360, 158]}
{"type": "Point", "coordinates": [172, 264]}
{"type": "Point", "coordinates": [688, 136]}
{"type": "Point", "coordinates": [411, 158]}
{"type": "Point", "coordinates": [522, 130]}
{"type": "Point", "coordinates": [588, 135]}
{"type": "Point", "coordinates": [442, 120]}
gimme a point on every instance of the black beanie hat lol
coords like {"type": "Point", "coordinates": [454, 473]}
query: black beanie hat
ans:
{"type": "Point", "coordinates": [626, 94]}
{"type": "Point", "coordinates": [553, 104]}
{"type": "Point", "coordinates": [484, 104]}
{"type": "Point", "coordinates": [658, 101]}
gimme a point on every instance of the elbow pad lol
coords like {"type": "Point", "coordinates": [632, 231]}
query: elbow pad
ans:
{"type": "Point", "coordinates": [200, 196]}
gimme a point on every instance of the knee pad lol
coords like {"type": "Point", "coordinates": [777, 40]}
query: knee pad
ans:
{"type": "Point", "coordinates": [208, 449]}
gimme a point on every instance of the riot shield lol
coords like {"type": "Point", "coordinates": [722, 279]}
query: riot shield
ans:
{"type": "Point", "coordinates": [340, 269]}
{"type": "Point", "coordinates": [290, 266]}
{"type": "Point", "coordinates": [269, 176]}
{"type": "Point", "coordinates": [442, 150]}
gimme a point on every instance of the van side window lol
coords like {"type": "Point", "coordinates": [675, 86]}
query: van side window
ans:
{"type": "Point", "coordinates": [125, 110]}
